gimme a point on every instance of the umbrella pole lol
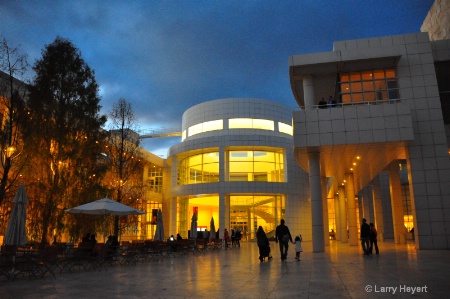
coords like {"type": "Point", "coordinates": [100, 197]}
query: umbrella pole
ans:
{"type": "Point", "coordinates": [104, 229]}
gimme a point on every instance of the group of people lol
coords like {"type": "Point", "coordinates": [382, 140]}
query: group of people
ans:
{"type": "Point", "coordinates": [331, 103]}
{"type": "Point", "coordinates": [283, 237]}
{"type": "Point", "coordinates": [236, 236]}
{"type": "Point", "coordinates": [89, 240]}
{"type": "Point", "coordinates": [368, 238]}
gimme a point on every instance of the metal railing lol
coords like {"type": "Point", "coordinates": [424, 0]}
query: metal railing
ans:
{"type": "Point", "coordinates": [341, 105]}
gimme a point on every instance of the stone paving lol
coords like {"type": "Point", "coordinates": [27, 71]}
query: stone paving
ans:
{"type": "Point", "coordinates": [341, 272]}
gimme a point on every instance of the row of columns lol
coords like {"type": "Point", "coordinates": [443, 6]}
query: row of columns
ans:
{"type": "Point", "coordinates": [345, 207]}
{"type": "Point", "coordinates": [344, 201]}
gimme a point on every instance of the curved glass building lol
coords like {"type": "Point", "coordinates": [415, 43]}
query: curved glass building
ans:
{"type": "Point", "coordinates": [236, 164]}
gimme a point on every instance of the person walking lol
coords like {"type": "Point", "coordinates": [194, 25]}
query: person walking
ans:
{"type": "Point", "coordinates": [237, 238]}
{"type": "Point", "coordinates": [226, 237]}
{"type": "Point", "coordinates": [298, 247]}
{"type": "Point", "coordinates": [283, 235]}
{"type": "Point", "coordinates": [233, 238]}
{"type": "Point", "coordinates": [263, 244]}
{"type": "Point", "coordinates": [365, 236]}
{"type": "Point", "coordinates": [373, 239]}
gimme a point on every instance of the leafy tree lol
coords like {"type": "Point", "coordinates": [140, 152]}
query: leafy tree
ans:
{"type": "Point", "coordinates": [124, 156]}
{"type": "Point", "coordinates": [13, 64]}
{"type": "Point", "coordinates": [63, 136]}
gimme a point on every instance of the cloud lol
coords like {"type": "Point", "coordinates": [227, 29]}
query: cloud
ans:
{"type": "Point", "coordinates": [166, 56]}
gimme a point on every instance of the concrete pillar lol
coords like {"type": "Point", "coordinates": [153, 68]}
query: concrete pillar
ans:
{"type": "Point", "coordinates": [351, 209]}
{"type": "Point", "coordinates": [224, 214]}
{"type": "Point", "coordinates": [173, 217]}
{"type": "Point", "coordinates": [337, 217]}
{"type": "Point", "coordinates": [378, 208]}
{"type": "Point", "coordinates": [343, 211]}
{"type": "Point", "coordinates": [308, 92]}
{"type": "Point", "coordinates": [316, 201]}
{"type": "Point", "coordinates": [326, 234]}
{"type": "Point", "coordinates": [395, 188]}
{"type": "Point", "coordinates": [223, 163]}
{"type": "Point", "coordinates": [250, 225]}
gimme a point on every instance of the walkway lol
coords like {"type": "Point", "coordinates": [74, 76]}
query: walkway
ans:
{"type": "Point", "coordinates": [341, 272]}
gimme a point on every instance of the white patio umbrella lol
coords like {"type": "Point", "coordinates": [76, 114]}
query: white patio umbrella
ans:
{"type": "Point", "coordinates": [159, 234]}
{"type": "Point", "coordinates": [212, 234]}
{"type": "Point", "coordinates": [105, 206]}
{"type": "Point", "coordinates": [16, 233]}
{"type": "Point", "coordinates": [193, 234]}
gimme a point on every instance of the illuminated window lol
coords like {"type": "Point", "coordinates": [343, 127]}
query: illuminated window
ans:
{"type": "Point", "coordinates": [212, 125]}
{"type": "Point", "coordinates": [285, 128]}
{"type": "Point", "coordinates": [240, 123]}
{"type": "Point", "coordinates": [263, 124]}
{"type": "Point", "coordinates": [155, 179]}
{"type": "Point", "coordinates": [250, 123]}
{"type": "Point", "coordinates": [264, 166]}
{"type": "Point", "coordinates": [195, 129]}
{"type": "Point", "coordinates": [197, 169]}
{"type": "Point", "coordinates": [368, 86]}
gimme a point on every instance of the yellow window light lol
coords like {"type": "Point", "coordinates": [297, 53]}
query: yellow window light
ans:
{"type": "Point", "coordinates": [285, 128]}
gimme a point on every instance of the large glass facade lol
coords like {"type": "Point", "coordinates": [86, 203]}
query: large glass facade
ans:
{"type": "Point", "coordinates": [251, 165]}
{"type": "Point", "coordinates": [248, 212]}
{"type": "Point", "coordinates": [368, 86]}
{"type": "Point", "coordinates": [199, 168]}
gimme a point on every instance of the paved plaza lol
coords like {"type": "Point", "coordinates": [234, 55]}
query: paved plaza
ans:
{"type": "Point", "coordinates": [341, 272]}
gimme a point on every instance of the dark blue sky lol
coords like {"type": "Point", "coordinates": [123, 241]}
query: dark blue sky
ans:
{"type": "Point", "coordinates": [166, 56]}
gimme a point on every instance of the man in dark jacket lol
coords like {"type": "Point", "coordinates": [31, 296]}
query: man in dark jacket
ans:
{"type": "Point", "coordinates": [283, 235]}
{"type": "Point", "coordinates": [365, 236]}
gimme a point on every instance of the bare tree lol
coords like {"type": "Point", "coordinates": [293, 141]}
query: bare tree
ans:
{"type": "Point", "coordinates": [123, 153]}
{"type": "Point", "coordinates": [13, 65]}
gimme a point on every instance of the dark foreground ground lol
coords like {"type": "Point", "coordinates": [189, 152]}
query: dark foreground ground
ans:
{"type": "Point", "coordinates": [341, 272]}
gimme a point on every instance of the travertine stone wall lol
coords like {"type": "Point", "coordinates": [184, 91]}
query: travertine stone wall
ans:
{"type": "Point", "coordinates": [437, 21]}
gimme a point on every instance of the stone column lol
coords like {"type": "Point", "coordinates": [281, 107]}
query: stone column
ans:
{"type": "Point", "coordinates": [337, 217]}
{"type": "Point", "coordinates": [308, 91]}
{"type": "Point", "coordinates": [395, 188]}
{"type": "Point", "coordinates": [173, 217]}
{"type": "Point", "coordinates": [222, 214]}
{"type": "Point", "coordinates": [316, 201]}
{"type": "Point", "coordinates": [378, 208]}
{"type": "Point", "coordinates": [343, 212]}
{"type": "Point", "coordinates": [352, 222]}
{"type": "Point", "coordinates": [223, 163]}
{"type": "Point", "coordinates": [326, 234]}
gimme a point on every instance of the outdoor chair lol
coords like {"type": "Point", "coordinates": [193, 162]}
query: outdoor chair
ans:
{"type": "Point", "coordinates": [7, 261]}
{"type": "Point", "coordinates": [78, 257]}
{"type": "Point", "coordinates": [46, 260]}
{"type": "Point", "coordinates": [128, 255]}
{"type": "Point", "coordinates": [153, 250]}
{"type": "Point", "coordinates": [99, 259]}
{"type": "Point", "coordinates": [218, 244]}
{"type": "Point", "coordinates": [19, 263]}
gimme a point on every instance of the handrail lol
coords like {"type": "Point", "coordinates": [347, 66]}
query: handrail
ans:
{"type": "Point", "coordinates": [340, 105]}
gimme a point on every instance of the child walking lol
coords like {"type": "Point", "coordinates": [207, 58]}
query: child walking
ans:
{"type": "Point", "coordinates": [298, 247]}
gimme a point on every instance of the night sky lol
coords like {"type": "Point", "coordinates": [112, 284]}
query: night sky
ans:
{"type": "Point", "coordinates": [166, 56]}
